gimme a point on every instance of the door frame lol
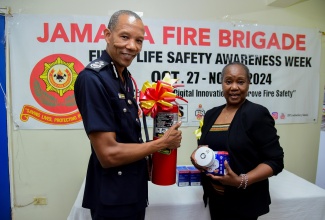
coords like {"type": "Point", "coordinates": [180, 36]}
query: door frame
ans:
{"type": "Point", "coordinates": [5, 208]}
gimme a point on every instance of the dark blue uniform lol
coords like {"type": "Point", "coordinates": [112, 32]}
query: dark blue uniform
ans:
{"type": "Point", "coordinates": [107, 105]}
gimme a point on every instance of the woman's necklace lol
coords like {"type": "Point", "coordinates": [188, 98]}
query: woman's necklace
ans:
{"type": "Point", "coordinates": [228, 113]}
{"type": "Point", "coordinates": [226, 116]}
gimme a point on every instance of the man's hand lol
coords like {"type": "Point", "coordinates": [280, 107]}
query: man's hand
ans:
{"type": "Point", "coordinates": [172, 137]}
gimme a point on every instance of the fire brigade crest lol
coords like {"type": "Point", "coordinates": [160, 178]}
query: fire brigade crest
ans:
{"type": "Point", "coordinates": [52, 86]}
{"type": "Point", "coordinates": [52, 83]}
{"type": "Point", "coordinates": [59, 76]}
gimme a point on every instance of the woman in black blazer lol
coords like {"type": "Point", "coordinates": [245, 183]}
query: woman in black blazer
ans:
{"type": "Point", "coordinates": [246, 131]}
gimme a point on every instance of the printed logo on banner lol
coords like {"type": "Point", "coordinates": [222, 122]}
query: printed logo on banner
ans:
{"type": "Point", "coordinates": [183, 112]}
{"type": "Point", "coordinates": [52, 86]}
{"type": "Point", "coordinates": [275, 115]}
{"type": "Point", "coordinates": [282, 116]}
{"type": "Point", "coordinates": [199, 112]}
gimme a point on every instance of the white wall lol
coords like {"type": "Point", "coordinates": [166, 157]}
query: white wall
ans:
{"type": "Point", "coordinates": [320, 178]}
{"type": "Point", "coordinates": [52, 163]}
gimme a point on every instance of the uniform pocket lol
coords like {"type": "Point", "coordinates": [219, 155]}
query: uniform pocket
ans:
{"type": "Point", "coordinates": [118, 186]}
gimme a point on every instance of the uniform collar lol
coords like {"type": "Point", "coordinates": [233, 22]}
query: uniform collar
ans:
{"type": "Point", "coordinates": [106, 57]}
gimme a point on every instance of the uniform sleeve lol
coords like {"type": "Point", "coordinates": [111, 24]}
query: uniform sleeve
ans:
{"type": "Point", "coordinates": [261, 130]}
{"type": "Point", "coordinates": [93, 103]}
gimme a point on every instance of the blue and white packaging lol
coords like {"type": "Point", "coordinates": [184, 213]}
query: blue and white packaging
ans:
{"type": "Point", "coordinates": [212, 160]}
{"type": "Point", "coordinates": [218, 168]}
{"type": "Point", "coordinates": [195, 176]}
{"type": "Point", "coordinates": [182, 176]}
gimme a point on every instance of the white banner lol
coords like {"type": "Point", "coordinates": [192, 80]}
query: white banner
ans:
{"type": "Point", "coordinates": [47, 53]}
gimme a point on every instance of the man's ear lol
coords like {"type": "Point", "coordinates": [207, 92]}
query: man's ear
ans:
{"type": "Point", "coordinates": [107, 34]}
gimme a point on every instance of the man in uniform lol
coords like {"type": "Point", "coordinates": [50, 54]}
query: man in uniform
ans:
{"type": "Point", "coordinates": [117, 176]}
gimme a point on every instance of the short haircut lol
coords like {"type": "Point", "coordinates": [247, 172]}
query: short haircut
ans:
{"type": "Point", "coordinates": [114, 19]}
{"type": "Point", "coordinates": [235, 63]}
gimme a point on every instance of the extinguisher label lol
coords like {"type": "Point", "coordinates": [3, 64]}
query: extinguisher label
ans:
{"type": "Point", "coordinates": [165, 151]}
{"type": "Point", "coordinates": [163, 121]}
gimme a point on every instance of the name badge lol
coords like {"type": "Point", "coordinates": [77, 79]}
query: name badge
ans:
{"type": "Point", "coordinates": [121, 96]}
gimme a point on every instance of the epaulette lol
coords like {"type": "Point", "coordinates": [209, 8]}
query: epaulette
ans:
{"type": "Point", "coordinates": [97, 65]}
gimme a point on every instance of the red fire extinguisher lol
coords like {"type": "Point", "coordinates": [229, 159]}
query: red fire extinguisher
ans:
{"type": "Point", "coordinates": [164, 161]}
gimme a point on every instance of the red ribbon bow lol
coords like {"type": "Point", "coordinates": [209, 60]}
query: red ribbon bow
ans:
{"type": "Point", "coordinates": [158, 94]}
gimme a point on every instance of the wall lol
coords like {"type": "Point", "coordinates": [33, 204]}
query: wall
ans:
{"type": "Point", "coordinates": [52, 163]}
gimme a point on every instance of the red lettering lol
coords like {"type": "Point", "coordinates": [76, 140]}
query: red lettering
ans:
{"type": "Point", "coordinates": [77, 34]}
{"type": "Point", "coordinates": [148, 35]}
{"type": "Point", "coordinates": [273, 42]}
{"type": "Point", "coordinates": [189, 35]}
{"type": "Point", "coordinates": [259, 40]}
{"type": "Point", "coordinates": [179, 35]}
{"type": "Point", "coordinates": [301, 42]}
{"type": "Point", "coordinates": [167, 34]}
{"type": "Point", "coordinates": [224, 38]}
{"type": "Point", "coordinates": [100, 33]}
{"type": "Point", "coordinates": [287, 38]}
{"type": "Point", "coordinates": [59, 33]}
{"type": "Point", "coordinates": [87, 31]}
{"type": "Point", "coordinates": [186, 35]}
{"type": "Point", "coordinates": [239, 36]}
{"type": "Point", "coordinates": [248, 42]}
{"type": "Point", "coordinates": [45, 34]}
{"type": "Point", "coordinates": [204, 36]}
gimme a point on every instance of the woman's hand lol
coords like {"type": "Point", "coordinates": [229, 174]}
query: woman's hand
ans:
{"type": "Point", "coordinates": [231, 178]}
{"type": "Point", "coordinates": [259, 173]}
{"type": "Point", "coordinates": [202, 169]}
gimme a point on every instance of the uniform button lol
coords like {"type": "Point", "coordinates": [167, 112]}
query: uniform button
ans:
{"type": "Point", "coordinates": [137, 120]}
{"type": "Point", "coordinates": [124, 110]}
{"type": "Point", "coordinates": [129, 101]}
{"type": "Point", "coordinates": [119, 173]}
